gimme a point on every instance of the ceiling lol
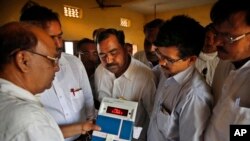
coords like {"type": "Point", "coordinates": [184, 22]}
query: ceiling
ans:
{"type": "Point", "coordinates": [155, 6]}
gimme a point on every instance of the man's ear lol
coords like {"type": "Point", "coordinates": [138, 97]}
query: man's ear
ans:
{"type": "Point", "coordinates": [192, 59]}
{"type": "Point", "coordinates": [22, 60]}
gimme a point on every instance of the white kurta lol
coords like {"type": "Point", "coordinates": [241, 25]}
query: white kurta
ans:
{"type": "Point", "coordinates": [22, 117]}
{"type": "Point", "coordinates": [182, 107]}
{"type": "Point", "coordinates": [206, 65]}
{"type": "Point", "coordinates": [65, 106]}
{"type": "Point", "coordinates": [231, 89]}
{"type": "Point", "coordinates": [135, 84]}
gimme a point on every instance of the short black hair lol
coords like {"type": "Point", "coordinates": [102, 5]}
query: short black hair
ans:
{"type": "Point", "coordinates": [156, 23]}
{"type": "Point", "coordinates": [33, 12]}
{"type": "Point", "coordinates": [96, 32]}
{"type": "Point", "coordinates": [14, 37]}
{"type": "Point", "coordinates": [183, 32]}
{"type": "Point", "coordinates": [223, 9]}
{"type": "Point", "coordinates": [111, 31]}
{"type": "Point", "coordinates": [84, 41]}
{"type": "Point", "coordinates": [129, 44]}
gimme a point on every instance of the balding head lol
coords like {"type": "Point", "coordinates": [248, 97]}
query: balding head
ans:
{"type": "Point", "coordinates": [24, 51]}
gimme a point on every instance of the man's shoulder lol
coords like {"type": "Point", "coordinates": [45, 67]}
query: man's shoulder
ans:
{"type": "Point", "coordinates": [24, 119]}
{"type": "Point", "coordinates": [199, 85]}
{"type": "Point", "coordinates": [197, 79]}
{"type": "Point", "coordinates": [26, 109]}
{"type": "Point", "coordinates": [69, 57]}
{"type": "Point", "coordinates": [139, 53]}
{"type": "Point", "coordinates": [23, 113]}
{"type": "Point", "coordinates": [71, 61]}
{"type": "Point", "coordinates": [140, 66]}
{"type": "Point", "coordinates": [222, 70]}
{"type": "Point", "coordinates": [100, 69]}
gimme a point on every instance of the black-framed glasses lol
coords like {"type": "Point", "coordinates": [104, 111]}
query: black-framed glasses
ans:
{"type": "Point", "coordinates": [230, 38]}
{"type": "Point", "coordinates": [165, 58]}
{"type": "Point", "coordinates": [54, 60]}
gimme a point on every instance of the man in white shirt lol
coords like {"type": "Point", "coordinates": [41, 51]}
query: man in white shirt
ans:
{"type": "Point", "coordinates": [121, 76]}
{"type": "Point", "coordinates": [70, 99]}
{"type": "Point", "coordinates": [232, 75]}
{"type": "Point", "coordinates": [22, 116]}
{"type": "Point", "coordinates": [183, 100]}
{"type": "Point", "coordinates": [208, 58]}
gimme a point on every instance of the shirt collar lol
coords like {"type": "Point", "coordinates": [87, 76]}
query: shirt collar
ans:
{"type": "Point", "coordinates": [62, 60]}
{"type": "Point", "coordinates": [14, 90]}
{"type": "Point", "coordinates": [208, 56]}
{"type": "Point", "coordinates": [183, 76]}
{"type": "Point", "coordinates": [247, 64]}
{"type": "Point", "coordinates": [128, 74]}
{"type": "Point", "coordinates": [130, 70]}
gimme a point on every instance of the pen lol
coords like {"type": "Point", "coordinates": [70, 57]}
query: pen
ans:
{"type": "Point", "coordinates": [75, 90]}
{"type": "Point", "coordinates": [164, 109]}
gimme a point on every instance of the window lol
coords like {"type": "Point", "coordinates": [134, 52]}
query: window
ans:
{"type": "Point", "coordinates": [71, 11]}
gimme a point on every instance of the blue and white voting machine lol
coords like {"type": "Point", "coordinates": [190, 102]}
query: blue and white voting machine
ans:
{"type": "Point", "coordinates": [116, 117]}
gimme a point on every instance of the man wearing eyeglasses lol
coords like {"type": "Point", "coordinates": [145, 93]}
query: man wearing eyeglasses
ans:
{"type": "Point", "coordinates": [70, 99]}
{"type": "Point", "coordinates": [22, 117]}
{"type": "Point", "coordinates": [183, 100]}
{"type": "Point", "coordinates": [232, 76]}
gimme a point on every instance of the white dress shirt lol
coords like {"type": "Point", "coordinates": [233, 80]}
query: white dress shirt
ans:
{"type": "Point", "coordinates": [206, 64]}
{"type": "Point", "coordinates": [135, 84]}
{"type": "Point", "coordinates": [22, 117]}
{"type": "Point", "coordinates": [66, 105]}
{"type": "Point", "coordinates": [231, 89]}
{"type": "Point", "coordinates": [182, 107]}
{"type": "Point", "coordinates": [141, 56]}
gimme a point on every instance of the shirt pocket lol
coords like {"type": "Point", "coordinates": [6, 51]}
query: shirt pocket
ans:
{"type": "Point", "coordinates": [77, 100]}
{"type": "Point", "coordinates": [165, 123]}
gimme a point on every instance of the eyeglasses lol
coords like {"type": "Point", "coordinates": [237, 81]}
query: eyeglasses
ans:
{"type": "Point", "coordinates": [229, 38]}
{"type": "Point", "coordinates": [166, 59]}
{"type": "Point", "coordinates": [52, 59]}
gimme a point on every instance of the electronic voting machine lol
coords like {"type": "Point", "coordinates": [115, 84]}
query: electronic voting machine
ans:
{"type": "Point", "coordinates": [116, 118]}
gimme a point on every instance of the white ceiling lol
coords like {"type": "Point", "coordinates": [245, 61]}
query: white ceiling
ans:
{"type": "Point", "coordinates": [149, 6]}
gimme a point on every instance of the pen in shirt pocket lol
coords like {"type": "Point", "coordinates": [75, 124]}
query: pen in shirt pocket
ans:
{"type": "Point", "coordinates": [164, 109]}
{"type": "Point", "coordinates": [75, 90]}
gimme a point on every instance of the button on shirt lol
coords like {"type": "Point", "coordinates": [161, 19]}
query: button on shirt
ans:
{"type": "Point", "coordinates": [231, 89]}
{"type": "Point", "coordinates": [70, 99]}
{"type": "Point", "coordinates": [206, 65]}
{"type": "Point", "coordinates": [135, 84]}
{"type": "Point", "coordinates": [23, 117]}
{"type": "Point", "coordinates": [182, 107]}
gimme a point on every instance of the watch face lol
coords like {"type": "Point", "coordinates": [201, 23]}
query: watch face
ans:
{"type": "Point", "coordinates": [117, 111]}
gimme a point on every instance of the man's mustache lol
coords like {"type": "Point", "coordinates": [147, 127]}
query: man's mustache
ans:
{"type": "Point", "coordinates": [111, 65]}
